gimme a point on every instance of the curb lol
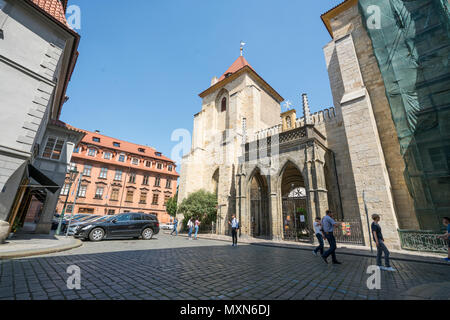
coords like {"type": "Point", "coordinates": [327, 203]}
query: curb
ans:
{"type": "Point", "coordinates": [21, 254]}
{"type": "Point", "coordinates": [291, 247]}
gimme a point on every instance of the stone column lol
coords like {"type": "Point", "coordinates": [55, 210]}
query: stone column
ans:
{"type": "Point", "coordinates": [44, 225]}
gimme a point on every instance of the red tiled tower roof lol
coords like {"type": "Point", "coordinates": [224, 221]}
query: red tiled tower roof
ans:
{"type": "Point", "coordinates": [54, 8]}
{"type": "Point", "coordinates": [236, 66]}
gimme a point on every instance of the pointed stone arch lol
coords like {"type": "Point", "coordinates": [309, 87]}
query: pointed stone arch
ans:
{"type": "Point", "coordinates": [258, 194]}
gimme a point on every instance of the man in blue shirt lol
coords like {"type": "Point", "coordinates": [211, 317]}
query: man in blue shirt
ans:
{"type": "Point", "coordinates": [446, 222]}
{"type": "Point", "coordinates": [175, 227]}
{"type": "Point", "coordinates": [328, 225]}
{"type": "Point", "coordinates": [234, 223]}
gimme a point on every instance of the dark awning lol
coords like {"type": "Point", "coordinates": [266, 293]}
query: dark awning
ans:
{"type": "Point", "coordinates": [42, 179]}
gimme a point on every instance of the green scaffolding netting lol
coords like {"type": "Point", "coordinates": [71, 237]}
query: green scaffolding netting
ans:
{"type": "Point", "coordinates": [411, 42]}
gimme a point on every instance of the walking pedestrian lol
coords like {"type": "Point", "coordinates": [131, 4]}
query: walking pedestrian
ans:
{"type": "Point", "coordinates": [328, 225]}
{"type": "Point", "coordinates": [190, 225]}
{"type": "Point", "coordinates": [234, 223]}
{"type": "Point", "coordinates": [175, 227]}
{"type": "Point", "coordinates": [197, 224]}
{"type": "Point", "coordinates": [446, 236]}
{"type": "Point", "coordinates": [319, 235]}
{"type": "Point", "coordinates": [381, 247]}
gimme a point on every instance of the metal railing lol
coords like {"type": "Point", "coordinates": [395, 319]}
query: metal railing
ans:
{"type": "Point", "coordinates": [426, 240]}
{"type": "Point", "coordinates": [350, 231]}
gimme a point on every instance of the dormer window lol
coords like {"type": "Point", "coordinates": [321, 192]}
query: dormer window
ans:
{"type": "Point", "coordinates": [224, 105]}
{"type": "Point", "coordinates": [141, 150]}
{"type": "Point", "coordinates": [135, 161]}
{"type": "Point", "coordinates": [158, 154]}
{"type": "Point", "coordinates": [96, 139]}
{"type": "Point", "coordinates": [116, 144]}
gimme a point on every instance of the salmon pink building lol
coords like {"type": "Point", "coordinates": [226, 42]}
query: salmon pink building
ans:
{"type": "Point", "coordinates": [118, 176]}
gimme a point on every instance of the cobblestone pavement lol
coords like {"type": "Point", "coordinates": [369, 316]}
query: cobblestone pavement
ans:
{"type": "Point", "coordinates": [175, 268]}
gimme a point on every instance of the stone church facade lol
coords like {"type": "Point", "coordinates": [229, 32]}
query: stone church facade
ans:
{"type": "Point", "coordinates": [277, 171]}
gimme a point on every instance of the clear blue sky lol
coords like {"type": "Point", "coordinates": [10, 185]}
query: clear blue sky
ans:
{"type": "Point", "coordinates": [143, 63]}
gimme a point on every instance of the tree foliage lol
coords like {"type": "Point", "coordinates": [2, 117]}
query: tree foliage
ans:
{"type": "Point", "coordinates": [172, 206]}
{"type": "Point", "coordinates": [200, 204]}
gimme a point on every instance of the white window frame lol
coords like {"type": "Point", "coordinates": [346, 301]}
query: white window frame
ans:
{"type": "Point", "coordinates": [89, 150]}
{"type": "Point", "coordinates": [53, 148]}
{"type": "Point", "coordinates": [125, 157]}
{"type": "Point", "coordinates": [103, 173]}
{"type": "Point", "coordinates": [99, 195]}
{"type": "Point", "coordinates": [107, 153]}
{"type": "Point", "coordinates": [82, 191]}
{"type": "Point", "coordinates": [90, 170]}
{"type": "Point", "coordinates": [66, 188]}
{"type": "Point", "coordinates": [133, 160]}
{"type": "Point", "coordinates": [116, 174]}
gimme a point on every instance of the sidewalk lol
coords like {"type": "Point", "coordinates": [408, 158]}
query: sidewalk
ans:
{"type": "Point", "coordinates": [345, 249]}
{"type": "Point", "coordinates": [31, 244]}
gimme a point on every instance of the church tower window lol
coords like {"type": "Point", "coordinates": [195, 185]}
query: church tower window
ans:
{"type": "Point", "coordinates": [224, 105]}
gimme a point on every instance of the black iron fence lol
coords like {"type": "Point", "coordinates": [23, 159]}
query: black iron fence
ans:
{"type": "Point", "coordinates": [426, 241]}
{"type": "Point", "coordinates": [349, 231]}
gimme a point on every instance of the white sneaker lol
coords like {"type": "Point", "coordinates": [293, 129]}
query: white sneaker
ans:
{"type": "Point", "coordinates": [387, 269]}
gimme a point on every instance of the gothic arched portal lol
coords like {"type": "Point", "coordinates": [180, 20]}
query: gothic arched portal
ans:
{"type": "Point", "coordinates": [296, 219]}
{"type": "Point", "coordinates": [260, 218]}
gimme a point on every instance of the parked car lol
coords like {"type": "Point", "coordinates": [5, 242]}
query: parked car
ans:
{"type": "Point", "coordinates": [57, 217]}
{"type": "Point", "coordinates": [78, 218]}
{"type": "Point", "coordinates": [167, 226]}
{"type": "Point", "coordinates": [124, 225]}
{"type": "Point", "coordinates": [74, 224]}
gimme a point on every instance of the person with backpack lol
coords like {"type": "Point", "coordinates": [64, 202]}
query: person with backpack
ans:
{"type": "Point", "coordinates": [190, 225]}
{"type": "Point", "coordinates": [234, 223]}
{"type": "Point", "coordinates": [319, 235]}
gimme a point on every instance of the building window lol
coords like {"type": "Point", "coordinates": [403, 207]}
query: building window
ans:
{"type": "Point", "coordinates": [157, 181]}
{"type": "Point", "coordinates": [76, 150]}
{"type": "Point", "coordinates": [155, 199]}
{"type": "Point", "coordinates": [69, 208]}
{"type": "Point", "coordinates": [169, 167]}
{"type": "Point", "coordinates": [116, 144]}
{"type": "Point", "coordinates": [145, 180]}
{"type": "Point", "coordinates": [224, 105]}
{"type": "Point", "coordinates": [53, 148]}
{"type": "Point", "coordinates": [71, 167]}
{"type": "Point", "coordinates": [141, 150]}
{"type": "Point", "coordinates": [86, 210]}
{"type": "Point", "coordinates": [118, 175]}
{"type": "Point", "coordinates": [103, 173]}
{"type": "Point", "coordinates": [168, 183]}
{"type": "Point", "coordinates": [82, 192]}
{"type": "Point", "coordinates": [115, 194]}
{"type": "Point", "coordinates": [107, 155]}
{"type": "Point", "coordinates": [148, 163]}
{"type": "Point", "coordinates": [96, 139]}
{"type": "Point", "coordinates": [130, 194]}
{"type": "Point", "coordinates": [166, 198]}
{"type": "Point", "coordinates": [99, 193]}
{"type": "Point", "coordinates": [132, 177]}
{"type": "Point", "coordinates": [143, 198]}
{"type": "Point", "coordinates": [158, 154]}
{"type": "Point", "coordinates": [87, 170]}
{"type": "Point", "coordinates": [159, 166]}
{"type": "Point", "coordinates": [111, 212]}
{"type": "Point", "coordinates": [122, 158]}
{"type": "Point", "coordinates": [135, 161]}
{"type": "Point", "coordinates": [92, 152]}
{"type": "Point", "coordinates": [288, 122]}
{"type": "Point", "coordinates": [65, 189]}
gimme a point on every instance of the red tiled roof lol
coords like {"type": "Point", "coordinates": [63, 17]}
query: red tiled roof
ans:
{"type": "Point", "coordinates": [59, 123]}
{"type": "Point", "coordinates": [125, 146]}
{"type": "Point", "coordinates": [236, 66]}
{"type": "Point", "coordinates": [53, 8]}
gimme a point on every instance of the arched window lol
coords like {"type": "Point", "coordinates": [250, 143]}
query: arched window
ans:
{"type": "Point", "coordinates": [224, 105]}
{"type": "Point", "coordinates": [288, 122]}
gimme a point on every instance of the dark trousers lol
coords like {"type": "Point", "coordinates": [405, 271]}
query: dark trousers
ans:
{"type": "Point", "coordinates": [234, 235]}
{"type": "Point", "coordinates": [332, 251]}
{"type": "Point", "coordinates": [175, 227]}
{"type": "Point", "coordinates": [380, 249]}
{"type": "Point", "coordinates": [320, 247]}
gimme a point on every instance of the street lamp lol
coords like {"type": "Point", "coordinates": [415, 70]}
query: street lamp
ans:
{"type": "Point", "coordinates": [72, 176]}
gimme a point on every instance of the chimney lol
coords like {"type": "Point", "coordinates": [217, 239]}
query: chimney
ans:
{"type": "Point", "coordinates": [97, 131]}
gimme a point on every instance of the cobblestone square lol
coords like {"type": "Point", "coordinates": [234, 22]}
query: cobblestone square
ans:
{"type": "Point", "coordinates": [177, 269]}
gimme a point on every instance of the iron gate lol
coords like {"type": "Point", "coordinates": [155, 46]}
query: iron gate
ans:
{"type": "Point", "coordinates": [296, 220]}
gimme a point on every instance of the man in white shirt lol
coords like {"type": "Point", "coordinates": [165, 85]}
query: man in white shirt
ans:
{"type": "Point", "coordinates": [234, 223]}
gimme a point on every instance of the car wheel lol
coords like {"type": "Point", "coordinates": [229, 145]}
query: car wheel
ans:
{"type": "Point", "coordinates": [147, 234]}
{"type": "Point", "coordinates": [97, 234]}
